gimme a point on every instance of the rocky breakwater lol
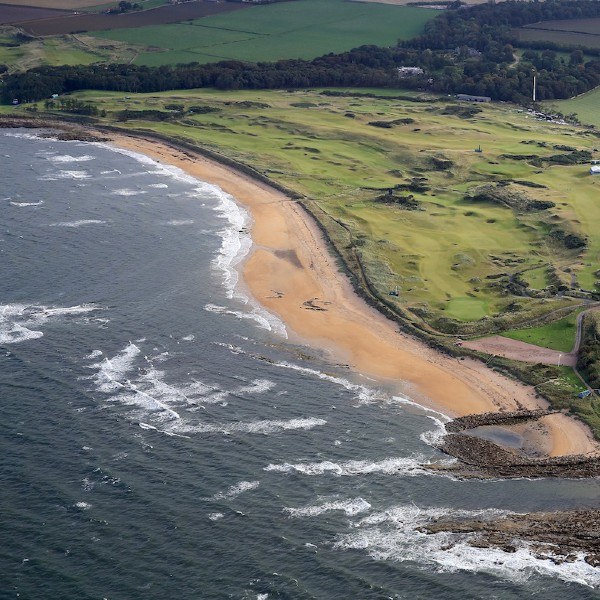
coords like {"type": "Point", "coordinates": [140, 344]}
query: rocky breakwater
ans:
{"type": "Point", "coordinates": [561, 536]}
{"type": "Point", "coordinates": [495, 418]}
{"type": "Point", "coordinates": [480, 458]}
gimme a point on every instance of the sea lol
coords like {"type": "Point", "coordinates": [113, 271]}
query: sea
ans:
{"type": "Point", "coordinates": [161, 437]}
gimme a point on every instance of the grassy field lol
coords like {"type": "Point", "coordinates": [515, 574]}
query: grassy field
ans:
{"type": "Point", "coordinates": [584, 106]}
{"type": "Point", "coordinates": [559, 335]}
{"type": "Point", "coordinates": [300, 29]}
{"type": "Point", "coordinates": [60, 50]}
{"type": "Point", "coordinates": [453, 258]}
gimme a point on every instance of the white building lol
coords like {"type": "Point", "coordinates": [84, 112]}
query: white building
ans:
{"type": "Point", "coordinates": [409, 71]}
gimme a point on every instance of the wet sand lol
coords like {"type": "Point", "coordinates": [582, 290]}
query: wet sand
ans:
{"type": "Point", "coordinates": [291, 273]}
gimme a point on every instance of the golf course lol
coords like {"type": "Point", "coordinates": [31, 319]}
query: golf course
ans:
{"type": "Point", "coordinates": [481, 216]}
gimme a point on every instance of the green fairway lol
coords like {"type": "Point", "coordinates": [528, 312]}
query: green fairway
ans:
{"type": "Point", "coordinates": [586, 107]}
{"type": "Point", "coordinates": [301, 29]}
{"type": "Point", "coordinates": [461, 260]}
{"type": "Point", "coordinates": [559, 335]}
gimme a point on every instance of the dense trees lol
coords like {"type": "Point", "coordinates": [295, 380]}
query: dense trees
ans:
{"type": "Point", "coordinates": [468, 50]}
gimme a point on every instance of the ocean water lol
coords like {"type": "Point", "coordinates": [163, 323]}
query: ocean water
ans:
{"type": "Point", "coordinates": [161, 438]}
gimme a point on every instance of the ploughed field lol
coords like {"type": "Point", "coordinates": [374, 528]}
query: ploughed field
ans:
{"type": "Point", "coordinates": [472, 239]}
{"type": "Point", "coordinates": [98, 22]}
{"type": "Point", "coordinates": [571, 32]}
{"type": "Point", "coordinates": [61, 4]}
{"type": "Point", "coordinates": [12, 13]}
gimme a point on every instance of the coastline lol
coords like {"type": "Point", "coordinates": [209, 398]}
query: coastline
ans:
{"type": "Point", "coordinates": [291, 273]}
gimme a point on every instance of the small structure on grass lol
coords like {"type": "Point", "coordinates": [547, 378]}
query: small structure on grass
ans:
{"type": "Point", "coordinates": [470, 98]}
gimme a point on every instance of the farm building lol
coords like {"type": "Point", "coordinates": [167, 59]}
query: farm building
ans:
{"type": "Point", "coordinates": [409, 71]}
{"type": "Point", "coordinates": [470, 98]}
{"type": "Point", "coordinates": [595, 170]}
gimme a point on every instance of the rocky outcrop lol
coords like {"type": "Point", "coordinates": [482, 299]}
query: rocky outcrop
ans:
{"type": "Point", "coordinates": [559, 536]}
{"type": "Point", "coordinates": [60, 129]}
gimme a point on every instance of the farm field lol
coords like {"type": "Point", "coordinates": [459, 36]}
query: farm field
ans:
{"type": "Point", "coordinates": [458, 226]}
{"type": "Point", "coordinates": [12, 13]}
{"type": "Point", "coordinates": [576, 32]}
{"type": "Point", "coordinates": [299, 29]}
{"type": "Point", "coordinates": [59, 50]}
{"type": "Point", "coordinates": [97, 22]}
{"type": "Point", "coordinates": [584, 106]}
{"type": "Point", "coordinates": [61, 4]}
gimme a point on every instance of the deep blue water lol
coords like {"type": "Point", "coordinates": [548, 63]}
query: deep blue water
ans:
{"type": "Point", "coordinates": [160, 438]}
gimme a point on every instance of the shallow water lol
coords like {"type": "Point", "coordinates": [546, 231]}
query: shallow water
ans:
{"type": "Point", "coordinates": [161, 438]}
{"type": "Point", "coordinates": [498, 435]}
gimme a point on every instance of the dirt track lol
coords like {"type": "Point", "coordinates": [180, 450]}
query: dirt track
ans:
{"type": "Point", "coordinates": [516, 350]}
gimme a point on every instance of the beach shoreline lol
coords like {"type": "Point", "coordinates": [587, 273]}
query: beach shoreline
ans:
{"type": "Point", "coordinates": [291, 273]}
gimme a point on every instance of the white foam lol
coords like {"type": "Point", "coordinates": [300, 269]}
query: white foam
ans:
{"type": "Point", "coordinates": [215, 516]}
{"type": "Point", "coordinates": [25, 204]}
{"type": "Point", "coordinates": [392, 535]}
{"type": "Point", "coordinates": [65, 175]}
{"type": "Point", "coordinates": [411, 466]}
{"type": "Point", "coordinates": [188, 338]}
{"type": "Point", "coordinates": [350, 507]}
{"type": "Point", "coordinates": [234, 490]}
{"type": "Point", "coordinates": [363, 393]}
{"type": "Point", "coordinates": [433, 437]}
{"type": "Point", "coordinates": [87, 484]}
{"type": "Point", "coordinates": [368, 395]}
{"type": "Point", "coordinates": [128, 192]}
{"type": "Point", "coordinates": [79, 223]}
{"type": "Point", "coordinates": [257, 386]}
{"type": "Point", "coordinates": [21, 322]}
{"type": "Point", "coordinates": [263, 427]}
{"type": "Point", "coordinates": [94, 354]}
{"type": "Point", "coordinates": [257, 315]}
{"type": "Point", "coordinates": [83, 505]}
{"type": "Point", "coordinates": [159, 186]}
{"type": "Point", "coordinates": [112, 372]}
{"type": "Point", "coordinates": [180, 222]}
{"type": "Point", "coordinates": [156, 167]}
{"type": "Point", "coordinates": [66, 158]}
{"type": "Point", "coordinates": [24, 135]}
{"type": "Point", "coordinates": [147, 427]}
{"type": "Point", "coordinates": [14, 333]}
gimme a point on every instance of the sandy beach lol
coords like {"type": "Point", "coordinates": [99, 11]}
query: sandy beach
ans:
{"type": "Point", "coordinates": [291, 273]}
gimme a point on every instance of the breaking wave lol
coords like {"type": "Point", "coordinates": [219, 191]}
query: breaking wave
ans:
{"type": "Point", "coordinates": [394, 535]}
{"type": "Point", "coordinates": [22, 322]}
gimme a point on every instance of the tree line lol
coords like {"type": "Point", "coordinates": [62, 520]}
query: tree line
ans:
{"type": "Point", "coordinates": [464, 50]}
